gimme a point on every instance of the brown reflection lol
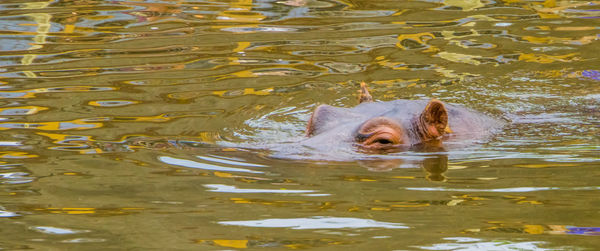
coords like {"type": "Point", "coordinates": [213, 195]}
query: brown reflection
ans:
{"type": "Point", "coordinates": [154, 11]}
{"type": "Point", "coordinates": [435, 165]}
{"type": "Point", "coordinates": [256, 242]}
{"type": "Point", "coordinates": [524, 228]}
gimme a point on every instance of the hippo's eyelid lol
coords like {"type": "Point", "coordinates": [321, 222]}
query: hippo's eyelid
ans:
{"type": "Point", "coordinates": [360, 137]}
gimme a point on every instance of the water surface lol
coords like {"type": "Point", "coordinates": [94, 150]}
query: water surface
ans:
{"type": "Point", "coordinates": [122, 123]}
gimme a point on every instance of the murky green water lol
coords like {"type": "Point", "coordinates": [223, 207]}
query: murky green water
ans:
{"type": "Point", "coordinates": [122, 124]}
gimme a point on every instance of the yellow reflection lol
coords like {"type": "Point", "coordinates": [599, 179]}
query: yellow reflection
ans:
{"type": "Point", "coordinates": [282, 243]}
{"type": "Point", "coordinates": [88, 210]}
{"type": "Point", "coordinates": [30, 93]}
{"type": "Point", "coordinates": [546, 59]}
{"type": "Point", "coordinates": [544, 165]}
{"type": "Point", "coordinates": [469, 197]}
{"type": "Point", "coordinates": [247, 91]}
{"type": "Point", "coordinates": [158, 118]}
{"type": "Point", "coordinates": [277, 203]}
{"type": "Point", "coordinates": [58, 137]}
{"type": "Point", "coordinates": [16, 155]}
{"type": "Point", "coordinates": [240, 11]}
{"type": "Point", "coordinates": [391, 82]}
{"type": "Point", "coordinates": [77, 124]}
{"type": "Point", "coordinates": [381, 209]}
{"type": "Point", "coordinates": [460, 58]}
{"type": "Point", "coordinates": [449, 35]}
{"type": "Point", "coordinates": [241, 46]}
{"type": "Point", "coordinates": [79, 212]}
{"type": "Point", "coordinates": [239, 74]}
{"type": "Point", "coordinates": [454, 202]}
{"type": "Point", "coordinates": [420, 38]}
{"type": "Point", "coordinates": [532, 202]}
{"type": "Point", "coordinates": [84, 144]}
{"type": "Point", "coordinates": [231, 243]}
{"type": "Point", "coordinates": [576, 28]}
{"type": "Point", "coordinates": [73, 140]}
{"type": "Point", "coordinates": [44, 25]}
{"type": "Point", "coordinates": [152, 12]}
{"type": "Point", "coordinates": [408, 204]}
{"type": "Point", "coordinates": [465, 5]}
{"type": "Point", "coordinates": [358, 178]}
{"type": "Point", "coordinates": [393, 65]}
{"type": "Point", "coordinates": [551, 40]}
{"type": "Point", "coordinates": [243, 178]}
{"type": "Point", "coordinates": [551, 7]}
{"type": "Point", "coordinates": [112, 103]}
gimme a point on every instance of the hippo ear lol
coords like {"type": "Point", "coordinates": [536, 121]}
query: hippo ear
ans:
{"type": "Point", "coordinates": [326, 117]}
{"type": "Point", "coordinates": [434, 119]}
{"type": "Point", "coordinates": [318, 119]}
{"type": "Point", "coordinates": [364, 95]}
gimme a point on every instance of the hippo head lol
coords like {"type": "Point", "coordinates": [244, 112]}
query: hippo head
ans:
{"type": "Point", "coordinates": [381, 126]}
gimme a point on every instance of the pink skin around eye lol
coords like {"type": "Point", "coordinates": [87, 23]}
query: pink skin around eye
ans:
{"type": "Point", "coordinates": [384, 133]}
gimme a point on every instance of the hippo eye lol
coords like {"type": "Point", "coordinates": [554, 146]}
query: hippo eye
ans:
{"type": "Point", "coordinates": [380, 134]}
{"type": "Point", "coordinates": [383, 141]}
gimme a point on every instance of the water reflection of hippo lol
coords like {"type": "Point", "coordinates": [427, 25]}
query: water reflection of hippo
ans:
{"type": "Point", "coordinates": [380, 127]}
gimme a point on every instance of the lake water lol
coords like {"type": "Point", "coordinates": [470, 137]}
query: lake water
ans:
{"type": "Point", "coordinates": [154, 125]}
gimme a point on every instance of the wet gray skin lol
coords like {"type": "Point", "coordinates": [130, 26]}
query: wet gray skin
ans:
{"type": "Point", "coordinates": [401, 124]}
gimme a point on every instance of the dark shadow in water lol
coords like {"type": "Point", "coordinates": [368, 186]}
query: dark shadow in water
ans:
{"type": "Point", "coordinates": [435, 164]}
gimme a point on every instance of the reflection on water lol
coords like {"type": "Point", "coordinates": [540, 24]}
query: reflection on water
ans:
{"type": "Point", "coordinates": [503, 190]}
{"type": "Point", "coordinates": [56, 230]}
{"type": "Point", "coordinates": [194, 164]}
{"type": "Point", "coordinates": [462, 243]}
{"type": "Point", "coordinates": [315, 222]}
{"type": "Point", "coordinates": [152, 124]}
{"type": "Point", "coordinates": [231, 189]}
{"type": "Point", "coordinates": [4, 213]}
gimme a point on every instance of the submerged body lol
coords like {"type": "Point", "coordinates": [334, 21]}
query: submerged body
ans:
{"type": "Point", "coordinates": [370, 129]}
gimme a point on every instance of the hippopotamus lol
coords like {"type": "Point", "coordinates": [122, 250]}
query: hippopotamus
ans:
{"type": "Point", "coordinates": [394, 126]}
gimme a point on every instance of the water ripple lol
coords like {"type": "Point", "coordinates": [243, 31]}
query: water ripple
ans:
{"type": "Point", "coordinates": [231, 189]}
{"type": "Point", "coordinates": [316, 222]}
{"type": "Point", "coordinates": [199, 165]}
{"type": "Point", "coordinates": [504, 190]}
{"type": "Point", "coordinates": [181, 94]}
